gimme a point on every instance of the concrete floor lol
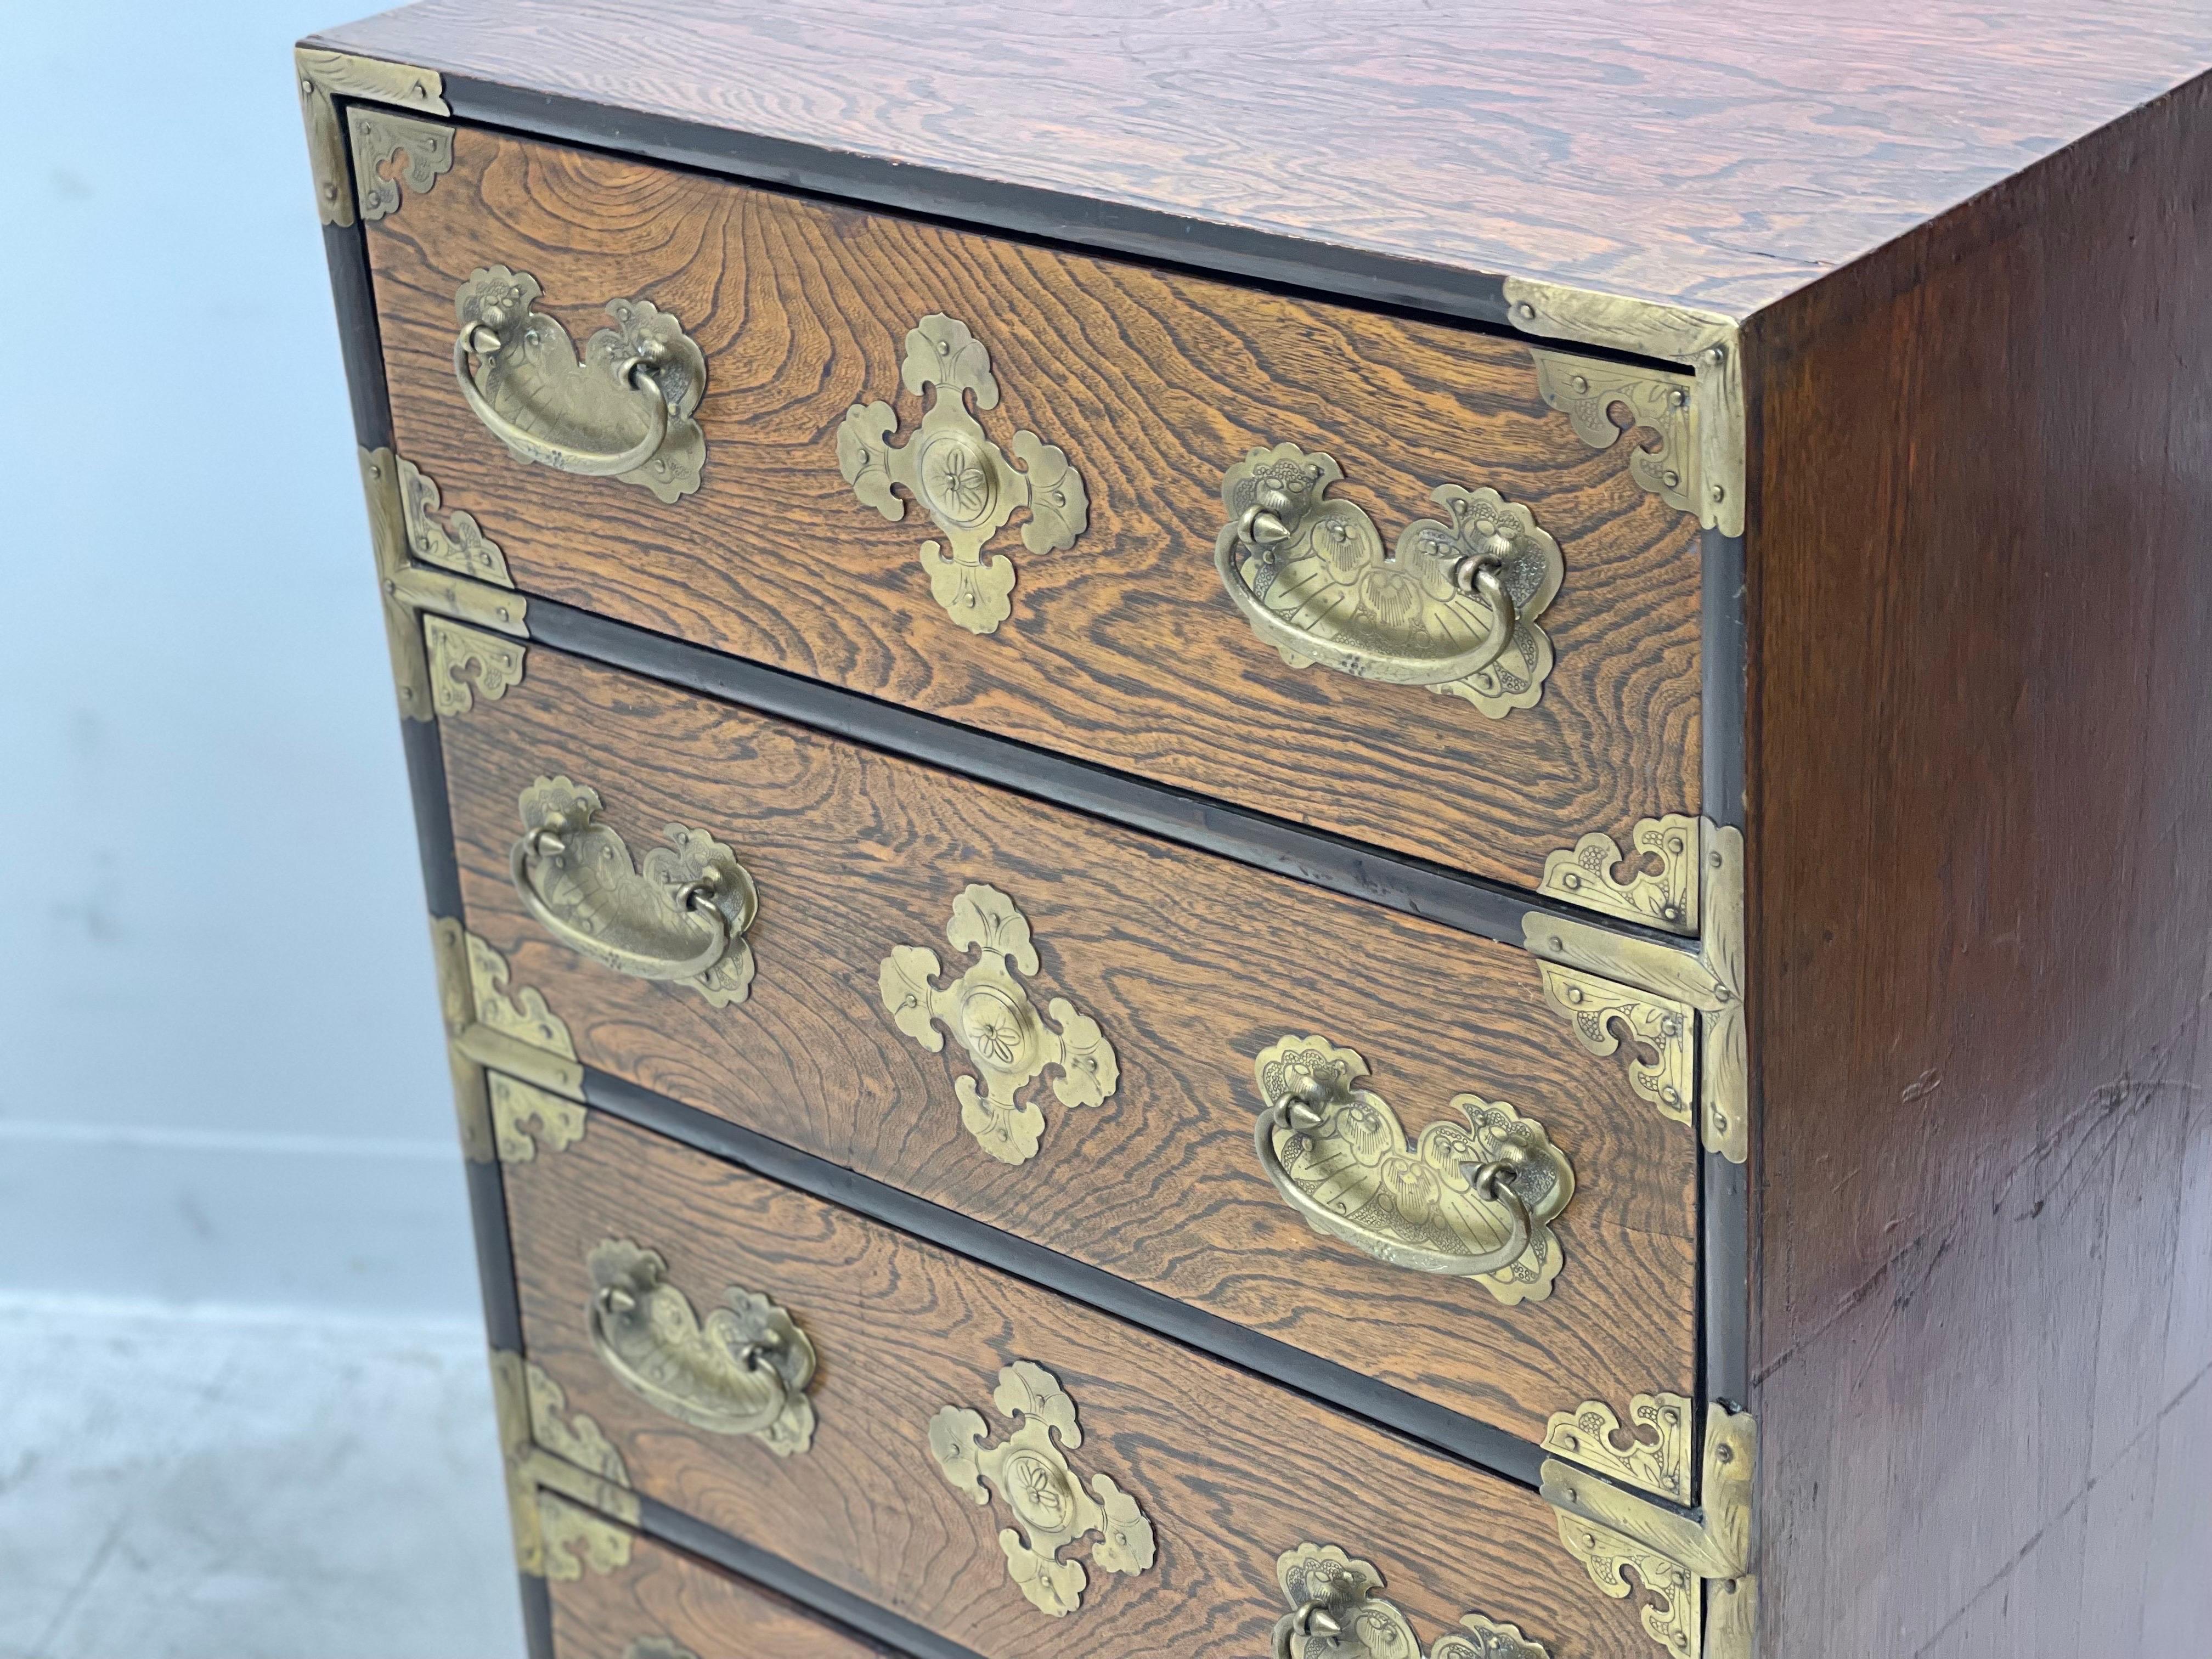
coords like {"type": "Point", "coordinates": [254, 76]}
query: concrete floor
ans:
{"type": "Point", "coordinates": [247, 1485]}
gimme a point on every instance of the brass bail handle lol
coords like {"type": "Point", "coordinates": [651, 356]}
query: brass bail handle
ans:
{"type": "Point", "coordinates": [1308, 1618]}
{"type": "Point", "coordinates": [1307, 1107]}
{"type": "Point", "coordinates": [482, 340]}
{"type": "Point", "coordinates": [1274, 520]}
{"type": "Point", "coordinates": [696, 900]}
{"type": "Point", "coordinates": [613, 1303]}
{"type": "Point", "coordinates": [1270, 522]}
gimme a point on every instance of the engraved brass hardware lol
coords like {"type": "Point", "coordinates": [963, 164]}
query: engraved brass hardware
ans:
{"type": "Point", "coordinates": [1453, 608]}
{"type": "Point", "coordinates": [1701, 437]}
{"type": "Point", "coordinates": [1607, 1528]}
{"type": "Point", "coordinates": [381, 137]}
{"type": "Point", "coordinates": [516, 1106]}
{"type": "Point", "coordinates": [1656, 884]}
{"type": "Point", "coordinates": [552, 1455]}
{"type": "Point", "coordinates": [1608, 1018]}
{"type": "Point", "coordinates": [962, 478]}
{"type": "Point", "coordinates": [1031, 1474]}
{"type": "Point", "coordinates": [1711, 982]}
{"type": "Point", "coordinates": [1672, 1619]}
{"type": "Point", "coordinates": [527, 1045]}
{"type": "Point", "coordinates": [1338, 1611]}
{"type": "Point", "coordinates": [682, 916]}
{"type": "Point", "coordinates": [1651, 1450]}
{"type": "Point", "coordinates": [451, 649]}
{"type": "Point", "coordinates": [464, 582]}
{"type": "Point", "coordinates": [743, 1370]}
{"type": "Point", "coordinates": [989, 1013]}
{"type": "Point", "coordinates": [518, 1034]}
{"type": "Point", "coordinates": [458, 545]}
{"type": "Point", "coordinates": [623, 410]}
{"type": "Point", "coordinates": [325, 77]}
{"type": "Point", "coordinates": [1468, 1200]}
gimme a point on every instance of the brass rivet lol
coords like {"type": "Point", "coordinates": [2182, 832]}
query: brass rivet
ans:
{"type": "Point", "coordinates": [1571, 881]}
{"type": "Point", "coordinates": [1718, 492]}
{"type": "Point", "coordinates": [1716, 355]}
{"type": "Point", "coordinates": [1674, 479]}
{"type": "Point", "coordinates": [1581, 383]}
{"type": "Point", "coordinates": [1574, 993]}
{"type": "Point", "coordinates": [1525, 311]}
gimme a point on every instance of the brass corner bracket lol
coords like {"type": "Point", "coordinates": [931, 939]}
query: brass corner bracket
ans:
{"type": "Point", "coordinates": [1651, 1449]}
{"type": "Point", "coordinates": [1708, 983]}
{"type": "Point", "coordinates": [1699, 466]}
{"type": "Point", "coordinates": [326, 77]}
{"type": "Point", "coordinates": [513, 1059]}
{"type": "Point", "coordinates": [391, 150]}
{"type": "Point", "coordinates": [1656, 883]}
{"type": "Point", "coordinates": [449, 603]}
{"type": "Point", "coordinates": [1673, 1554]}
{"type": "Point", "coordinates": [569, 1493]}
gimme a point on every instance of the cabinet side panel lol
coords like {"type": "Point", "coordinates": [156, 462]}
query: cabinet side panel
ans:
{"type": "Point", "coordinates": [1981, 878]}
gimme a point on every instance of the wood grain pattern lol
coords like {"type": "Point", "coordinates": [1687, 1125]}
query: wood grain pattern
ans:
{"type": "Point", "coordinates": [1122, 650]}
{"type": "Point", "coordinates": [1229, 1471]}
{"type": "Point", "coordinates": [1720, 155]}
{"type": "Point", "coordinates": [1190, 964]}
{"type": "Point", "coordinates": [664, 1593]}
{"type": "Point", "coordinates": [1981, 857]}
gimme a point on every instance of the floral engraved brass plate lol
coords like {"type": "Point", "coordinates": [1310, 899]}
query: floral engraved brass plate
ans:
{"type": "Point", "coordinates": [1656, 1037]}
{"type": "Point", "coordinates": [465, 662]}
{"type": "Point", "coordinates": [989, 1013]}
{"type": "Point", "coordinates": [962, 478]}
{"type": "Point", "coordinates": [1338, 1611]}
{"type": "Point", "coordinates": [1650, 1451]}
{"type": "Point", "coordinates": [1453, 608]}
{"type": "Point", "coordinates": [743, 1370]}
{"type": "Point", "coordinates": [681, 915]}
{"type": "Point", "coordinates": [623, 409]}
{"type": "Point", "coordinates": [1339, 1153]}
{"type": "Point", "coordinates": [1655, 882]}
{"type": "Point", "coordinates": [1671, 1619]}
{"type": "Point", "coordinates": [1029, 1474]}
{"type": "Point", "coordinates": [381, 139]}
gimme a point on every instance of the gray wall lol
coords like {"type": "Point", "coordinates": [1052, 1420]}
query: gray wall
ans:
{"type": "Point", "coordinates": [220, 1076]}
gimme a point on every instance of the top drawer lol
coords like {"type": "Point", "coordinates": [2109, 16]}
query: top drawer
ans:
{"type": "Point", "coordinates": [1004, 484]}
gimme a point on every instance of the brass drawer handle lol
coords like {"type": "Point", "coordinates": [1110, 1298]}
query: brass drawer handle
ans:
{"type": "Point", "coordinates": [1453, 608]}
{"type": "Point", "coordinates": [1469, 1200]}
{"type": "Point", "coordinates": [743, 1370]}
{"type": "Point", "coordinates": [1338, 1611]}
{"type": "Point", "coordinates": [681, 917]}
{"type": "Point", "coordinates": [622, 410]}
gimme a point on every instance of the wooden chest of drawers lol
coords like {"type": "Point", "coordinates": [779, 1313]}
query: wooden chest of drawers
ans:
{"type": "Point", "coordinates": [1316, 830]}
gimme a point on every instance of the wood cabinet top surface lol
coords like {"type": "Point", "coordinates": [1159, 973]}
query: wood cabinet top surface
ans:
{"type": "Point", "coordinates": [1718, 155]}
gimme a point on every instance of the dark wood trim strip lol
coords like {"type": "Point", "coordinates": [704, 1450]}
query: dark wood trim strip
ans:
{"type": "Point", "coordinates": [1724, 1203]}
{"type": "Point", "coordinates": [1724, 1206]}
{"type": "Point", "coordinates": [1490, 1449]}
{"type": "Point", "coordinates": [1018, 209]}
{"type": "Point", "coordinates": [360, 346]}
{"type": "Point", "coordinates": [495, 1257]}
{"type": "Point", "coordinates": [1721, 707]}
{"type": "Point", "coordinates": [536, 1617]}
{"type": "Point", "coordinates": [818, 1595]}
{"type": "Point", "coordinates": [434, 819]}
{"type": "Point", "coordinates": [1412, 885]}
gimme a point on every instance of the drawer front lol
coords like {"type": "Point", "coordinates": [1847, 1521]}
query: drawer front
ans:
{"type": "Point", "coordinates": [660, 1604]}
{"type": "Point", "coordinates": [1146, 987]}
{"type": "Point", "coordinates": [1009, 1470]}
{"type": "Point", "coordinates": [1122, 645]}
